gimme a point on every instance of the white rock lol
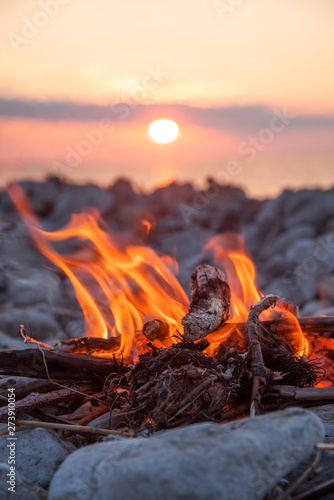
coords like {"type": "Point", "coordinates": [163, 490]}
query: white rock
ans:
{"type": "Point", "coordinates": [238, 460]}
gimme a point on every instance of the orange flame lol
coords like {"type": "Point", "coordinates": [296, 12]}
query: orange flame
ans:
{"type": "Point", "coordinates": [120, 285]}
{"type": "Point", "coordinates": [134, 283]}
{"type": "Point", "coordinates": [230, 253]}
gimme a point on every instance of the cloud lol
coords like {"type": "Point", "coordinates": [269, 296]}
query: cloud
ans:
{"type": "Point", "coordinates": [243, 119]}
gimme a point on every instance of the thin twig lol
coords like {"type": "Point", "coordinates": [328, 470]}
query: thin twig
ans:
{"type": "Point", "coordinates": [192, 396]}
{"type": "Point", "coordinates": [66, 427]}
{"type": "Point", "coordinates": [36, 400]}
{"type": "Point", "coordinates": [311, 469]}
{"type": "Point", "coordinates": [324, 446]}
{"type": "Point", "coordinates": [30, 340]}
{"type": "Point", "coordinates": [317, 492]}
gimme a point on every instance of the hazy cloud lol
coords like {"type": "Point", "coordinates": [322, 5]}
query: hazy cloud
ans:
{"type": "Point", "coordinates": [233, 118]}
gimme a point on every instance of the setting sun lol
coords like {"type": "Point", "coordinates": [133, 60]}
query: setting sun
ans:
{"type": "Point", "coordinates": [163, 131]}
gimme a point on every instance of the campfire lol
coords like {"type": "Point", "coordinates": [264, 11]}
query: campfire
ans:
{"type": "Point", "coordinates": [150, 358]}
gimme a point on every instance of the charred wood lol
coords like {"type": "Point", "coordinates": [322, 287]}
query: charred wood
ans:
{"type": "Point", "coordinates": [318, 326]}
{"type": "Point", "coordinates": [87, 344]}
{"type": "Point", "coordinates": [83, 367]}
{"type": "Point", "coordinates": [37, 400]}
{"type": "Point", "coordinates": [156, 330]}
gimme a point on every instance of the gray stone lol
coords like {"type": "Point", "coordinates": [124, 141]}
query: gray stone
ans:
{"type": "Point", "coordinates": [318, 211]}
{"type": "Point", "coordinates": [42, 323]}
{"type": "Point", "coordinates": [286, 240]}
{"type": "Point", "coordinates": [43, 196]}
{"type": "Point", "coordinates": [39, 453]}
{"type": "Point", "coordinates": [183, 244]}
{"type": "Point", "coordinates": [298, 251]}
{"type": "Point", "coordinates": [76, 199]}
{"type": "Point", "coordinates": [324, 474]}
{"type": "Point", "coordinates": [24, 490]}
{"type": "Point", "coordinates": [33, 286]}
{"type": "Point", "coordinates": [11, 342]}
{"type": "Point", "coordinates": [311, 308]}
{"type": "Point", "coordinates": [326, 289]}
{"type": "Point", "coordinates": [240, 459]}
{"type": "Point", "coordinates": [326, 414]}
{"type": "Point", "coordinates": [17, 248]}
{"type": "Point", "coordinates": [293, 288]}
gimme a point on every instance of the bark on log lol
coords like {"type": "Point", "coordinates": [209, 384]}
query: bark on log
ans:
{"type": "Point", "coordinates": [26, 385]}
{"type": "Point", "coordinates": [83, 367]}
{"type": "Point", "coordinates": [87, 344]}
{"type": "Point", "coordinates": [210, 303]}
{"type": "Point", "coordinates": [301, 393]}
{"type": "Point", "coordinates": [322, 326]}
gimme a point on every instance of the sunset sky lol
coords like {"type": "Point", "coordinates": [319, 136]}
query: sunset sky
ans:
{"type": "Point", "coordinates": [248, 82]}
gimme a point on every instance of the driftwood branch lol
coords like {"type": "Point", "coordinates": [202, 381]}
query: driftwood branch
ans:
{"type": "Point", "coordinates": [318, 326]}
{"type": "Point", "coordinates": [31, 363]}
{"type": "Point", "coordinates": [82, 344]}
{"type": "Point", "coordinates": [319, 491]}
{"type": "Point", "coordinates": [87, 344]}
{"type": "Point", "coordinates": [37, 400]}
{"type": "Point", "coordinates": [261, 375]}
{"type": "Point", "coordinates": [301, 393]}
{"type": "Point", "coordinates": [24, 424]}
{"type": "Point", "coordinates": [26, 385]}
{"type": "Point", "coordinates": [210, 303]}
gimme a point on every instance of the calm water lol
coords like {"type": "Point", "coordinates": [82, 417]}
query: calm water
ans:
{"type": "Point", "coordinates": [264, 177]}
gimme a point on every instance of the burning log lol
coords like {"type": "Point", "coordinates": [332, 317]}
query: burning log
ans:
{"type": "Point", "coordinates": [82, 344]}
{"type": "Point", "coordinates": [318, 326]}
{"type": "Point", "coordinates": [210, 303]}
{"type": "Point", "coordinates": [156, 330]}
{"type": "Point", "coordinates": [87, 344]}
{"type": "Point", "coordinates": [46, 363]}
